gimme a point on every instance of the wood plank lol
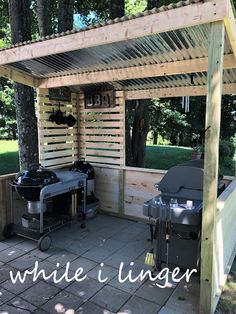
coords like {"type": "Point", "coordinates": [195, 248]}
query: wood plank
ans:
{"type": "Point", "coordinates": [115, 161]}
{"type": "Point", "coordinates": [213, 112]}
{"type": "Point", "coordinates": [84, 131]}
{"type": "Point", "coordinates": [176, 92]}
{"type": "Point", "coordinates": [47, 132]}
{"type": "Point", "coordinates": [110, 139]}
{"type": "Point", "coordinates": [101, 145]}
{"type": "Point", "coordinates": [53, 146]}
{"type": "Point", "coordinates": [108, 153]}
{"type": "Point", "coordinates": [59, 153]}
{"type": "Point", "coordinates": [142, 71]}
{"type": "Point", "coordinates": [58, 139]}
{"type": "Point", "coordinates": [99, 124]}
{"type": "Point", "coordinates": [18, 76]}
{"type": "Point", "coordinates": [59, 161]}
{"type": "Point", "coordinates": [194, 14]}
{"type": "Point", "coordinates": [230, 26]}
{"type": "Point", "coordinates": [116, 109]}
{"type": "Point", "coordinates": [100, 117]}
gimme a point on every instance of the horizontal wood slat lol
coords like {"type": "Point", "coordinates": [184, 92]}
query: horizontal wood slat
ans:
{"type": "Point", "coordinates": [101, 132]}
{"type": "Point", "coordinates": [84, 131]}
{"type": "Point", "coordinates": [58, 143]}
{"type": "Point", "coordinates": [109, 153]}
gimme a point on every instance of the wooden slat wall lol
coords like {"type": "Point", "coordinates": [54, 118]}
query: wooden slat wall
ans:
{"type": "Point", "coordinates": [225, 241]}
{"type": "Point", "coordinates": [101, 132]}
{"type": "Point", "coordinates": [126, 199]}
{"type": "Point", "coordinates": [58, 144]}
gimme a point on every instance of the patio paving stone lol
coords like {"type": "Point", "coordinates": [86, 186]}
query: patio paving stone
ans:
{"type": "Point", "coordinates": [137, 305]}
{"type": "Point", "coordinates": [63, 302]}
{"type": "Point", "coordinates": [24, 262]}
{"type": "Point", "coordinates": [10, 254]}
{"type": "Point", "coordinates": [5, 295]}
{"type": "Point", "coordinates": [85, 289]}
{"type": "Point", "coordinates": [85, 263]}
{"type": "Point", "coordinates": [166, 310]}
{"type": "Point", "coordinates": [19, 303]}
{"type": "Point", "coordinates": [91, 308]}
{"type": "Point", "coordinates": [149, 291]}
{"type": "Point", "coordinates": [63, 283]}
{"type": "Point", "coordinates": [18, 287]}
{"type": "Point", "coordinates": [3, 246]}
{"type": "Point", "coordinates": [98, 254]}
{"type": "Point", "coordinates": [185, 298]}
{"type": "Point", "coordinates": [40, 293]}
{"type": "Point", "coordinates": [27, 245]}
{"type": "Point", "coordinates": [110, 298]}
{"type": "Point", "coordinates": [107, 271]}
{"type": "Point", "coordinates": [5, 272]}
{"type": "Point", "coordinates": [115, 259]}
{"type": "Point", "coordinates": [8, 309]}
{"type": "Point", "coordinates": [14, 240]}
{"type": "Point", "coordinates": [62, 257]}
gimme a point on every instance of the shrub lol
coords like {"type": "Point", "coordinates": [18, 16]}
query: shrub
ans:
{"type": "Point", "coordinates": [226, 150]}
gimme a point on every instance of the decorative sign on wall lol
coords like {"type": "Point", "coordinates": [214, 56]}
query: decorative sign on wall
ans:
{"type": "Point", "coordinates": [60, 94]}
{"type": "Point", "coordinates": [100, 99]}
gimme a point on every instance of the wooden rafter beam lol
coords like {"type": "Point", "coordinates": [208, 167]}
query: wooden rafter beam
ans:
{"type": "Point", "coordinates": [18, 76]}
{"type": "Point", "coordinates": [230, 26]}
{"type": "Point", "coordinates": [176, 92]}
{"type": "Point", "coordinates": [182, 17]}
{"type": "Point", "coordinates": [152, 70]}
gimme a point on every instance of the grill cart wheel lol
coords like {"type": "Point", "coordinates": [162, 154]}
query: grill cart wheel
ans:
{"type": "Point", "coordinates": [44, 243]}
{"type": "Point", "coordinates": [8, 231]}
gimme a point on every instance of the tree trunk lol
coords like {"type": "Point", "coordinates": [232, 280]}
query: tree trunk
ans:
{"type": "Point", "coordinates": [19, 12]}
{"type": "Point", "coordinates": [65, 15]}
{"type": "Point", "coordinates": [44, 18]}
{"type": "Point", "coordinates": [152, 4]}
{"type": "Point", "coordinates": [117, 8]}
{"type": "Point", "coordinates": [155, 137]}
{"type": "Point", "coordinates": [139, 134]}
{"type": "Point", "coordinates": [128, 127]}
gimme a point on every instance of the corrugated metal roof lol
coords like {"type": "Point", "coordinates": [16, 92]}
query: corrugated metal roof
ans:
{"type": "Point", "coordinates": [108, 22]}
{"type": "Point", "coordinates": [182, 44]}
{"type": "Point", "coordinates": [200, 79]}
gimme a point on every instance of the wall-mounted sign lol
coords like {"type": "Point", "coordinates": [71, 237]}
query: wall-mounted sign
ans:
{"type": "Point", "coordinates": [100, 99]}
{"type": "Point", "coordinates": [60, 94]}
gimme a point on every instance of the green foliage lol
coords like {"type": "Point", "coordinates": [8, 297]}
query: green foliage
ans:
{"type": "Point", "coordinates": [226, 150]}
{"type": "Point", "coordinates": [169, 123]}
{"type": "Point", "coordinates": [135, 6]}
{"type": "Point", "coordinates": [8, 127]}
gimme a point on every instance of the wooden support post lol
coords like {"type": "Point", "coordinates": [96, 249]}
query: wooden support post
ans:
{"type": "Point", "coordinates": [213, 113]}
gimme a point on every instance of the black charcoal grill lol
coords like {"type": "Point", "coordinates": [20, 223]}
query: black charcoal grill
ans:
{"type": "Point", "coordinates": [177, 215]}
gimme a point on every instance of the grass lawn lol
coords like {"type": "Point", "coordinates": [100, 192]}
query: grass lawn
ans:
{"type": "Point", "coordinates": [9, 158]}
{"type": "Point", "coordinates": [157, 157]}
{"type": "Point", "coordinates": [164, 156]}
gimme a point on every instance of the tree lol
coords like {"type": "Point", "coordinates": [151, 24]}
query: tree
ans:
{"type": "Point", "coordinates": [116, 8]}
{"type": "Point", "coordinates": [19, 13]}
{"type": "Point", "coordinates": [65, 15]}
{"type": "Point", "coordinates": [152, 4]}
{"type": "Point", "coordinates": [44, 17]}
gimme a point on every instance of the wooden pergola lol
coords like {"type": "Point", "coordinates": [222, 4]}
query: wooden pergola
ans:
{"type": "Point", "coordinates": [150, 55]}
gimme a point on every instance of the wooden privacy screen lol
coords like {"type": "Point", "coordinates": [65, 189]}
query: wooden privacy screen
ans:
{"type": "Point", "coordinates": [101, 132]}
{"type": "Point", "coordinates": [58, 144]}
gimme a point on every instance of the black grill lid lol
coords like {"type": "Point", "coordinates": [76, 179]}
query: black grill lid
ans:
{"type": "Point", "coordinates": [84, 167]}
{"type": "Point", "coordinates": [36, 177]}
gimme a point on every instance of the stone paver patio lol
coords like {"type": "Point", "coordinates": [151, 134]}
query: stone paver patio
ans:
{"type": "Point", "coordinates": [107, 240]}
